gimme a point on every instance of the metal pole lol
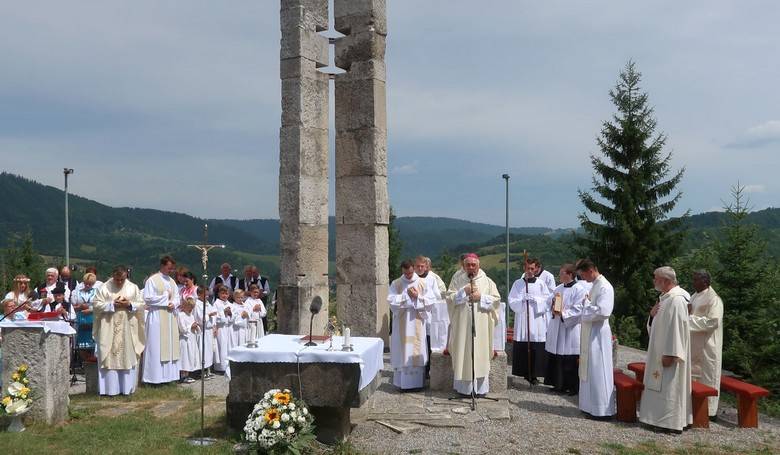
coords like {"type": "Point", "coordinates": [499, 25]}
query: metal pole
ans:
{"type": "Point", "coordinates": [508, 284]}
{"type": "Point", "coordinates": [67, 171]}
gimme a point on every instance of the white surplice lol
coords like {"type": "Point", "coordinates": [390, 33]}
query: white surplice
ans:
{"type": "Point", "coordinates": [240, 323]}
{"type": "Point", "coordinates": [256, 316]}
{"type": "Point", "coordinates": [188, 342]}
{"type": "Point", "coordinates": [223, 336]}
{"type": "Point", "coordinates": [408, 348]}
{"type": "Point", "coordinates": [597, 387]}
{"type": "Point", "coordinates": [548, 279]}
{"type": "Point", "coordinates": [534, 303]}
{"type": "Point", "coordinates": [706, 323]}
{"type": "Point", "coordinates": [208, 332]}
{"type": "Point", "coordinates": [666, 400]}
{"type": "Point", "coordinates": [439, 322]}
{"type": "Point", "coordinates": [563, 332]}
{"type": "Point", "coordinates": [161, 357]}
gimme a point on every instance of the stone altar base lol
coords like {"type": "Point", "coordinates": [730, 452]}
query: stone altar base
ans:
{"type": "Point", "coordinates": [329, 390]}
{"type": "Point", "coordinates": [441, 373]}
{"type": "Point", "coordinates": [48, 358]}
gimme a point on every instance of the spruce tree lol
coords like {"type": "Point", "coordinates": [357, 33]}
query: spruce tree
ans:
{"type": "Point", "coordinates": [626, 230]}
{"type": "Point", "coordinates": [395, 245]}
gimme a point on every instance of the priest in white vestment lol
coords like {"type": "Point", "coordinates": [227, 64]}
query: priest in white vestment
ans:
{"type": "Point", "coordinates": [706, 323]}
{"type": "Point", "coordinates": [666, 400]}
{"type": "Point", "coordinates": [472, 294]}
{"type": "Point", "coordinates": [543, 275]}
{"type": "Point", "coordinates": [438, 324]}
{"type": "Point", "coordinates": [410, 300]}
{"type": "Point", "coordinates": [161, 295]}
{"type": "Point", "coordinates": [528, 299]}
{"type": "Point", "coordinates": [597, 387]}
{"type": "Point", "coordinates": [563, 333]}
{"type": "Point", "coordinates": [118, 330]}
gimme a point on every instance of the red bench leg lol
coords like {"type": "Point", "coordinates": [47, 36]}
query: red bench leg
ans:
{"type": "Point", "coordinates": [747, 411]}
{"type": "Point", "coordinates": [701, 418]}
{"type": "Point", "coordinates": [626, 405]}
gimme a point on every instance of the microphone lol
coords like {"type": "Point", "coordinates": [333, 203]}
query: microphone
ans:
{"type": "Point", "coordinates": [315, 307]}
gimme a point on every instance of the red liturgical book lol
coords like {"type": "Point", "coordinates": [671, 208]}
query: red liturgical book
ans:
{"type": "Point", "coordinates": [47, 316]}
{"type": "Point", "coordinates": [315, 337]}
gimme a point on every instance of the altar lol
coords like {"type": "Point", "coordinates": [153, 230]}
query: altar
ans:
{"type": "Point", "coordinates": [330, 382]}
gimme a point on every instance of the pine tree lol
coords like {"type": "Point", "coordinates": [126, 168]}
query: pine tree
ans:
{"type": "Point", "coordinates": [395, 246]}
{"type": "Point", "coordinates": [628, 233]}
{"type": "Point", "coordinates": [21, 259]}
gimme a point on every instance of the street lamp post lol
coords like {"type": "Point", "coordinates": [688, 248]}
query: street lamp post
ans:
{"type": "Point", "coordinates": [67, 172]}
{"type": "Point", "coordinates": [506, 177]}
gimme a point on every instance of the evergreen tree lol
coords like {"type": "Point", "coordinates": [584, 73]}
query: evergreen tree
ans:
{"type": "Point", "coordinates": [628, 234]}
{"type": "Point", "coordinates": [394, 245]}
{"type": "Point", "coordinates": [20, 259]}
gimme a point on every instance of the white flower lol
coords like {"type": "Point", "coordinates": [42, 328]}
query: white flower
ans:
{"type": "Point", "coordinates": [17, 407]}
{"type": "Point", "coordinates": [291, 406]}
{"type": "Point", "coordinates": [291, 430]}
{"type": "Point", "coordinates": [293, 414]}
{"type": "Point", "coordinates": [305, 411]}
{"type": "Point", "coordinates": [15, 388]}
{"type": "Point", "coordinates": [276, 424]}
{"type": "Point", "coordinates": [285, 417]}
{"type": "Point", "coordinates": [301, 419]}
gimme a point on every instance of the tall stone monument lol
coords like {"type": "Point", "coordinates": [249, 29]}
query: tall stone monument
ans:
{"type": "Point", "coordinates": [362, 210]}
{"type": "Point", "coordinates": [303, 165]}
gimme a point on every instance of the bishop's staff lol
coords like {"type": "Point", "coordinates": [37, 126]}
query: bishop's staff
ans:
{"type": "Point", "coordinates": [527, 319]}
{"type": "Point", "coordinates": [204, 249]}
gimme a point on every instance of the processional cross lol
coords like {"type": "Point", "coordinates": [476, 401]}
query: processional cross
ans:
{"type": "Point", "coordinates": [204, 248]}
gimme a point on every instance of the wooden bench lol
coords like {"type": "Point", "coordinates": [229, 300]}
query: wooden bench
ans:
{"type": "Point", "coordinates": [699, 395]}
{"type": "Point", "coordinates": [627, 389]}
{"type": "Point", "coordinates": [747, 399]}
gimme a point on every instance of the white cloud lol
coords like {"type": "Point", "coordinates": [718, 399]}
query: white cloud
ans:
{"type": "Point", "coordinates": [755, 188]}
{"type": "Point", "coordinates": [759, 135]}
{"type": "Point", "coordinates": [406, 169]}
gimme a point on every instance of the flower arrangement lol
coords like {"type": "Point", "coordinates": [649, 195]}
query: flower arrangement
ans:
{"type": "Point", "coordinates": [279, 423]}
{"type": "Point", "coordinates": [19, 397]}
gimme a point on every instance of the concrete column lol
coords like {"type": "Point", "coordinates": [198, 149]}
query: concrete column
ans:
{"type": "Point", "coordinates": [362, 210]}
{"type": "Point", "coordinates": [303, 165]}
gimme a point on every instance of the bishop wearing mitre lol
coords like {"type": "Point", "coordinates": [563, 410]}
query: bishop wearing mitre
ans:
{"type": "Point", "coordinates": [472, 295]}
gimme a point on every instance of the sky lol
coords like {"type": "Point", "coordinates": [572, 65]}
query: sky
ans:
{"type": "Point", "coordinates": [175, 105]}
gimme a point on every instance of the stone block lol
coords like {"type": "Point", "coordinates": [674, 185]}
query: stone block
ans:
{"type": "Point", "coordinates": [91, 377]}
{"type": "Point", "coordinates": [303, 151]}
{"type": "Point", "coordinates": [310, 14]}
{"type": "Point", "coordinates": [441, 372]}
{"type": "Point", "coordinates": [359, 47]}
{"type": "Point", "coordinates": [363, 307]}
{"type": "Point", "coordinates": [305, 102]}
{"type": "Point", "coordinates": [359, 15]}
{"type": "Point", "coordinates": [362, 200]}
{"type": "Point", "coordinates": [298, 67]}
{"type": "Point", "coordinates": [368, 69]}
{"type": "Point", "coordinates": [292, 309]}
{"type": "Point", "coordinates": [361, 254]}
{"type": "Point", "coordinates": [304, 251]}
{"type": "Point", "coordinates": [48, 357]}
{"type": "Point", "coordinates": [303, 199]}
{"type": "Point", "coordinates": [361, 152]}
{"type": "Point", "coordinates": [360, 104]}
{"type": "Point", "coordinates": [298, 41]}
{"type": "Point", "coordinates": [498, 373]}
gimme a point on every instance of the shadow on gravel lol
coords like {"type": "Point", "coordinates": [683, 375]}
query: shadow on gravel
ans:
{"type": "Point", "coordinates": [544, 408]}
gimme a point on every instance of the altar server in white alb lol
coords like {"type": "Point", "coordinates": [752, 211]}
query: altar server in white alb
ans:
{"type": "Point", "coordinates": [597, 388]}
{"type": "Point", "coordinates": [255, 302]}
{"type": "Point", "coordinates": [189, 331]}
{"type": "Point", "coordinates": [472, 295]}
{"type": "Point", "coordinates": [118, 330]}
{"type": "Point", "coordinates": [410, 300]}
{"type": "Point", "coordinates": [439, 322]}
{"type": "Point", "coordinates": [543, 275]}
{"type": "Point", "coordinates": [161, 295]}
{"type": "Point", "coordinates": [666, 400]}
{"type": "Point", "coordinates": [528, 299]}
{"type": "Point", "coordinates": [224, 332]}
{"type": "Point", "coordinates": [563, 333]}
{"type": "Point", "coordinates": [706, 323]}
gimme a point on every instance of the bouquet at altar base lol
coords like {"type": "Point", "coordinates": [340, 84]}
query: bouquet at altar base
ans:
{"type": "Point", "coordinates": [279, 424]}
{"type": "Point", "coordinates": [19, 397]}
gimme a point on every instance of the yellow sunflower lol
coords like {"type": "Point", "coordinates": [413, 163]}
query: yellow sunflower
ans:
{"type": "Point", "coordinates": [272, 415]}
{"type": "Point", "coordinates": [282, 398]}
{"type": "Point", "coordinates": [7, 401]}
{"type": "Point", "coordinates": [23, 368]}
{"type": "Point", "coordinates": [15, 376]}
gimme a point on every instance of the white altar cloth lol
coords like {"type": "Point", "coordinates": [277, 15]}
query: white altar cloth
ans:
{"type": "Point", "coordinates": [60, 327]}
{"type": "Point", "coordinates": [288, 349]}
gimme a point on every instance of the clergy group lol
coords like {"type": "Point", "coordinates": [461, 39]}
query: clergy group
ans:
{"type": "Point", "coordinates": [561, 334]}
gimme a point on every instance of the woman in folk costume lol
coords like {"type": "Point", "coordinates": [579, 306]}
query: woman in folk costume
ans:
{"type": "Point", "coordinates": [21, 292]}
{"type": "Point", "coordinates": [258, 309]}
{"type": "Point", "coordinates": [563, 333]}
{"type": "Point", "coordinates": [411, 302]}
{"type": "Point", "coordinates": [209, 324]}
{"type": "Point", "coordinates": [473, 286]}
{"type": "Point", "coordinates": [118, 330]}
{"type": "Point", "coordinates": [190, 286]}
{"type": "Point", "coordinates": [241, 311]}
{"type": "Point", "coordinates": [82, 299]}
{"type": "Point", "coordinates": [224, 328]}
{"type": "Point", "coordinates": [161, 296]}
{"type": "Point", "coordinates": [189, 329]}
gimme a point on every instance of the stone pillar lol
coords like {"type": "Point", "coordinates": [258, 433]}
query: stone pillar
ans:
{"type": "Point", "coordinates": [47, 355]}
{"type": "Point", "coordinates": [303, 165]}
{"type": "Point", "coordinates": [362, 210]}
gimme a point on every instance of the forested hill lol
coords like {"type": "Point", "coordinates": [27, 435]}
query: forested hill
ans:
{"type": "Point", "coordinates": [108, 235]}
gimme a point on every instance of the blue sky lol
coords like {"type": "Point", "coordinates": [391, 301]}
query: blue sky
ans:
{"type": "Point", "coordinates": [175, 105]}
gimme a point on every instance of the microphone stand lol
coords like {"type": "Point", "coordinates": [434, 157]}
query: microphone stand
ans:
{"type": "Point", "coordinates": [311, 324]}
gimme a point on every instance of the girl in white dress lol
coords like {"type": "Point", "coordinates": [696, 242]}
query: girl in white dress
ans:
{"type": "Point", "coordinates": [189, 329]}
{"type": "Point", "coordinates": [209, 326]}
{"type": "Point", "coordinates": [258, 309]}
{"type": "Point", "coordinates": [241, 312]}
{"type": "Point", "coordinates": [224, 329]}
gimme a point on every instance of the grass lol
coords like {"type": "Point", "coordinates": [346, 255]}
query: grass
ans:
{"type": "Point", "coordinates": [651, 448]}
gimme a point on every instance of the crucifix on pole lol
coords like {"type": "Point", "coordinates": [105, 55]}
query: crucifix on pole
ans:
{"type": "Point", "coordinates": [204, 248]}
